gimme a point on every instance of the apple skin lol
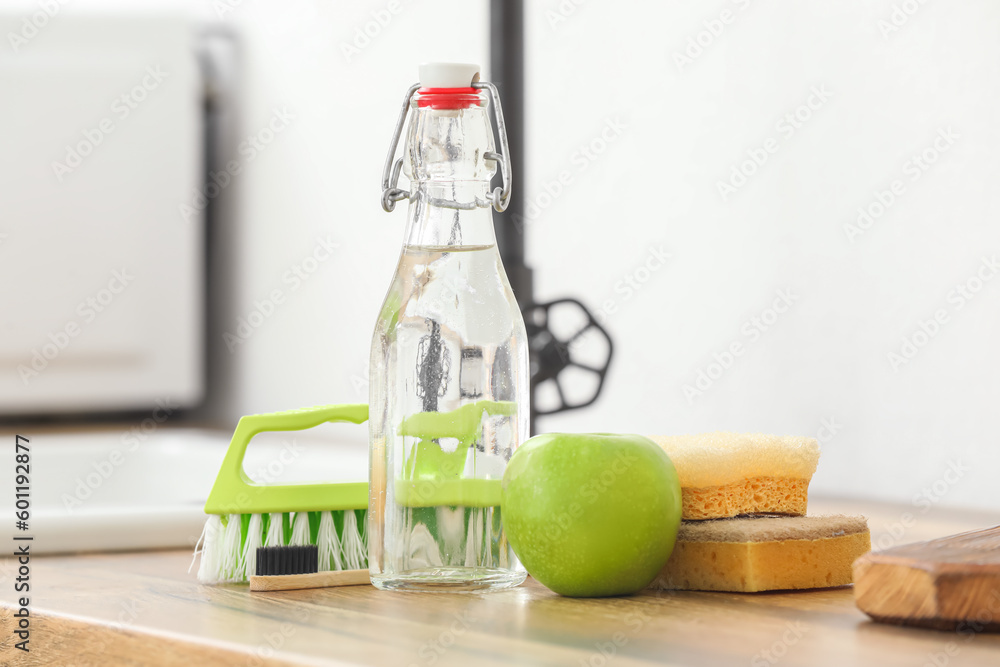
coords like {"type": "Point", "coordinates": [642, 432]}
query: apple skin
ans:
{"type": "Point", "coordinates": [591, 514]}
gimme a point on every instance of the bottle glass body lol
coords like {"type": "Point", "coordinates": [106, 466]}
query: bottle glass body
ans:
{"type": "Point", "coordinates": [449, 374]}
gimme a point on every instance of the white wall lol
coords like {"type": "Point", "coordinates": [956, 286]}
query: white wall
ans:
{"type": "Point", "coordinates": [826, 359]}
{"type": "Point", "coordinates": [682, 130]}
{"type": "Point", "coordinates": [318, 182]}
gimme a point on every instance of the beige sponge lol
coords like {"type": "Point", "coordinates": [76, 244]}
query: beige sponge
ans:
{"type": "Point", "coordinates": [728, 474]}
{"type": "Point", "coordinates": [765, 553]}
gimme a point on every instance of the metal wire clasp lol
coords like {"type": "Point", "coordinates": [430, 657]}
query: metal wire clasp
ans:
{"type": "Point", "coordinates": [391, 193]}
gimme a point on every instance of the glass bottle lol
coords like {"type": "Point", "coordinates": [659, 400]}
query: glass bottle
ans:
{"type": "Point", "coordinates": [449, 358]}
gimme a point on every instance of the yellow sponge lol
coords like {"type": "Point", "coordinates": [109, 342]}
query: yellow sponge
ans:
{"type": "Point", "coordinates": [728, 474]}
{"type": "Point", "coordinates": [765, 553]}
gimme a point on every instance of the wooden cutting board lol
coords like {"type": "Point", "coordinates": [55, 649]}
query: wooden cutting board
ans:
{"type": "Point", "coordinates": [952, 583]}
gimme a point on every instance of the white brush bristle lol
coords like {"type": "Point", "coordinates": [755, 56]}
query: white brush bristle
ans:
{"type": "Point", "coordinates": [275, 531]}
{"type": "Point", "coordinates": [229, 557]}
{"type": "Point", "coordinates": [328, 544]}
{"type": "Point", "coordinates": [254, 539]}
{"type": "Point", "coordinates": [224, 560]}
{"type": "Point", "coordinates": [353, 545]}
{"type": "Point", "coordinates": [300, 530]}
{"type": "Point", "coordinates": [208, 547]}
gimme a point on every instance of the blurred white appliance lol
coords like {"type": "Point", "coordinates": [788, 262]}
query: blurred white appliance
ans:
{"type": "Point", "coordinates": [102, 150]}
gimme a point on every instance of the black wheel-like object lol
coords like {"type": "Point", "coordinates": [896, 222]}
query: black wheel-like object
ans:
{"type": "Point", "coordinates": [550, 355]}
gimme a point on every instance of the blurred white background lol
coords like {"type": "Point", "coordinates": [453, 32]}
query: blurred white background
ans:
{"type": "Point", "coordinates": [893, 427]}
{"type": "Point", "coordinates": [738, 138]}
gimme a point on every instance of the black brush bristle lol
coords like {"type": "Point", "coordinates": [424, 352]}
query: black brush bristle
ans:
{"type": "Point", "coordinates": [287, 560]}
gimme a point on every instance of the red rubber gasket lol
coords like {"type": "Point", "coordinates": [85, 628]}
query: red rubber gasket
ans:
{"type": "Point", "coordinates": [448, 98]}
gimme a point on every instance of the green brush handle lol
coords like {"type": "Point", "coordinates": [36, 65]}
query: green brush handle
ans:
{"type": "Point", "coordinates": [464, 424]}
{"type": "Point", "coordinates": [235, 493]}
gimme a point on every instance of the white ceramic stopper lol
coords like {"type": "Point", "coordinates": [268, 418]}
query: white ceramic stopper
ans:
{"type": "Point", "coordinates": [448, 75]}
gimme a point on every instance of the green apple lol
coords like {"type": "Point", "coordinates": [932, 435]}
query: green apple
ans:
{"type": "Point", "coordinates": [591, 514]}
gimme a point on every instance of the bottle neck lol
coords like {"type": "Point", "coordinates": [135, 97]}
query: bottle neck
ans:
{"type": "Point", "coordinates": [450, 213]}
{"type": "Point", "coordinates": [449, 174]}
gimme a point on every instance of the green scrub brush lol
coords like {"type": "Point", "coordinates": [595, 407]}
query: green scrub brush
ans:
{"type": "Point", "coordinates": [244, 515]}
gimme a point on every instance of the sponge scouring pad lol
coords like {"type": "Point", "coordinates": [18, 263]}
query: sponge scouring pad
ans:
{"type": "Point", "coordinates": [729, 474]}
{"type": "Point", "coordinates": [753, 554]}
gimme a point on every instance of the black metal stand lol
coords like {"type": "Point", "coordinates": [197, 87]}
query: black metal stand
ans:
{"type": "Point", "coordinates": [549, 356]}
{"type": "Point", "coordinates": [507, 72]}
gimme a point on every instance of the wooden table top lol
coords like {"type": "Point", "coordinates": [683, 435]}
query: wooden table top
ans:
{"type": "Point", "coordinates": [145, 609]}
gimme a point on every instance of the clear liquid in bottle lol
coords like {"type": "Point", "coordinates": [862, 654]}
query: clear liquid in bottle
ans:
{"type": "Point", "coordinates": [449, 367]}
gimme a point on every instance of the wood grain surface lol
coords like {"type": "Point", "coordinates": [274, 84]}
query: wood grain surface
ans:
{"type": "Point", "coordinates": [949, 583]}
{"type": "Point", "coordinates": [145, 609]}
